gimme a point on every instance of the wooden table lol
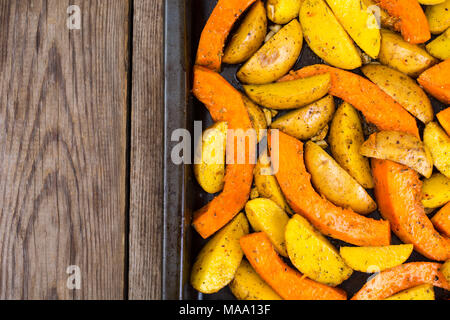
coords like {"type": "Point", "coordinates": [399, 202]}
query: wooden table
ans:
{"type": "Point", "coordinates": [81, 149]}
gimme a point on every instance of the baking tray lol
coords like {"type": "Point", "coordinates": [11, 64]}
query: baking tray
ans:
{"type": "Point", "coordinates": [184, 21]}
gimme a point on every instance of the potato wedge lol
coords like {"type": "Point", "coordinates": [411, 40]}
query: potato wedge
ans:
{"type": "Point", "coordinates": [289, 94]}
{"type": "Point", "coordinates": [267, 184]}
{"type": "Point", "coordinates": [440, 47]}
{"type": "Point", "coordinates": [423, 292]}
{"type": "Point", "coordinates": [335, 183]}
{"type": "Point", "coordinates": [248, 37]}
{"type": "Point", "coordinates": [308, 121]}
{"type": "Point", "coordinates": [265, 215]}
{"type": "Point", "coordinates": [312, 254]}
{"type": "Point", "coordinates": [438, 142]}
{"type": "Point", "coordinates": [248, 285]}
{"type": "Point", "coordinates": [209, 167]}
{"type": "Point", "coordinates": [257, 118]}
{"type": "Point", "coordinates": [346, 137]}
{"type": "Point", "coordinates": [402, 89]}
{"type": "Point", "coordinates": [430, 2]}
{"type": "Point", "coordinates": [375, 259]}
{"type": "Point", "coordinates": [436, 191]}
{"type": "Point", "coordinates": [283, 11]}
{"type": "Point", "coordinates": [217, 262]}
{"type": "Point", "coordinates": [321, 135]}
{"type": "Point", "coordinates": [445, 269]}
{"type": "Point", "coordinates": [360, 24]}
{"type": "Point", "coordinates": [326, 37]}
{"type": "Point", "coordinates": [275, 58]}
{"type": "Point", "coordinates": [438, 17]}
{"type": "Point", "coordinates": [403, 56]}
{"type": "Point", "coordinates": [401, 148]}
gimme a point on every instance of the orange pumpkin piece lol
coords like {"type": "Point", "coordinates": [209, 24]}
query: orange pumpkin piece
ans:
{"type": "Point", "coordinates": [444, 119]}
{"type": "Point", "coordinates": [436, 81]}
{"type": "Point", "coordinates": [225, 104]}
{"type": "Point", "coordinates": [287, 282]}
{"type": "Point", "coordinates": [441, 220]}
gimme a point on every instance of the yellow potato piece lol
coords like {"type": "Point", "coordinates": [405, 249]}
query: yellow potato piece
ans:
{"type": "Point", "coordinates": [440, 47]}
{"type": "Point", "coordinates": [438, 17]}
{"type": "Point", "coordinates": [265, 215]}
{"type": "Point", "coordinates": [335, 183]}
{"type": "Point", "coordinates": [249, 36]}
{"type": "Point", "coordinates": [209, 166]}
{"type": "Point", "coordinates": [430, 2]}
{"type": "Point", "coordinates": [312, 254]}
{"type": "Point", "coordinates": [403, 56]}
{"type": "Point", "coordinates": [399, 147]}
{"type": "Point", "coordinates": [435, 191]}
{"type": "Point", "coordinates": [360, 24]}
{"type": "Point", "coordinates": [375, 259]}
{"type": "Point", "coordinates": [346, 137]}
{"type": "Point", "coordinates": [402, 89]}
{"type": "Point", "coordinates": [308, 121]}
{"type": "Point", "coordinates": [275, 58]}
{"type": "Point", "coordinates": [423, 292]}
{"type": "Point", "coordinates": [267, 184]}
{"type": "Point", "coordinates": [282, 11]}
{"type": "Point", "coordinates": [438, 142]}
{"type": "Point", "coordinates": [257, 117]}
{"type": "Point", "coordinates": [217, 262]}
{"type": "Point", "coordinates": [445, 269]}
{"type": "Point", "coordinates": [248, 285]}
{"type": "Point", "coordinates": [326, 37]}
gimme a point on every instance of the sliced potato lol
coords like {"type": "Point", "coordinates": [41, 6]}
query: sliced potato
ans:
{"type": "Point", "coordinates": [254, 193]}
{"type": "Point", "coordinates": [249, 36]}
{"type": "Point", "coordinates": [346, 137]}
{"type": "Point", "coordinates": [402, 89]}
{"type": "Point", "coordinates": [257, 118]}
{"type": "Point", "coordinates": [209, 166]}
{"type": "Point", "coordinates": [423, 292]}
{"type": "Point", "coordinates": [282, 11]}
{"type": "Point", "coordinates": [430, 2]}
{"type": "Point", "coordinates": [217, 262]}
{"type": "Point", "coordinates": [275, 58]}
{"type": "Point", "coordinates": [312, 254]}
{"type": "Point", "coordinates": [265, 215]}
{"type": "Point", "coordinates": [334, 182]}
{"type": "Point", "coordinates": [321, 135]}
{"type": "Point", "coordinates": [438, 142]}
{"type": "Point", "coordinates": [289, 94]}
{"type": "Point", "coordinates": [267, 184]}
{"type": "Point", "coordinates": [438, 17]}
{"type": "Point", "coordinates": [360, 24]}
{"type": "Point", "coordinates": [326, 37]}
{"type": "Point", "coordinates": [375, 259]}
{"type": "Point", "coordinates": [445, 269]}
{"type": "Point", "coordinates": [399, 147]}
{"type": "Point", "coordinates": [435, 191]}
{"type": "Point", "coordinates": [402, 55]}
{"type": "Point", "coordinates": [268, 115]}
{"type": "Point", "coordinates": [248, 285]}
{"type": "Point", "coordinates": [308, 121]}
{"type": "Point", "coordinates": [440, 47]}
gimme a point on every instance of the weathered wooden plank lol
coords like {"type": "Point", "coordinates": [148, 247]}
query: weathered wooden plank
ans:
{"type": "Point", "coordinates": [146, 176]}
{"type": "Point", "coordinates": [63, 112]}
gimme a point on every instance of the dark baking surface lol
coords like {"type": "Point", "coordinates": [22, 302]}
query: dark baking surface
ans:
{"type": "Point", "coordinates": [189, 243]}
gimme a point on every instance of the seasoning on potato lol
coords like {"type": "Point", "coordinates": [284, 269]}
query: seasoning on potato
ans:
{"type": "Point", "coordinates": [217, 262]}
{"type": "Point", "coordinates": [326, 37]}
{"type": "Point", "coordinates": [249, 36]}
{"type": "Point", "coordinates": [275, 58]}
{"type": "Point", "coordinates": [422, 292]}
{"type": "Point", "coordinates": [257, 118]}
{"type": "Point", "coordinates": [440, 47]}
{"type": "Point", "coordinates": [346, 137]}
{"type": "Point", "coordinates": [308, 121]}
{"type": "Point", "coordinates": [313, 255]}
{"type": "Point", "coordinates": [209, 167]}
{"type": "Point", "coordinates": [282, 11]}
{"type": "Point", "coordinates": [335, 183]}
{"type": "Point", "coordinates": [438, 142]}
{"type": "Point", "coordinates": [435, 191]}
{"type": "Point", "coordinates": [438, 17]}
{"type": "Point", "coordinates": [402, 89]}
{"type": "Point", "coordinates": [401, 148]}
{"type": "Point", "coordinates": [402, 55]}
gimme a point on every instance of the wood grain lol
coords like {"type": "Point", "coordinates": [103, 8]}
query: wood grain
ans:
{"type": "Point", "coordinates": [63, 111]}
{"type": "Point", "coordinates": [146, 189]}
